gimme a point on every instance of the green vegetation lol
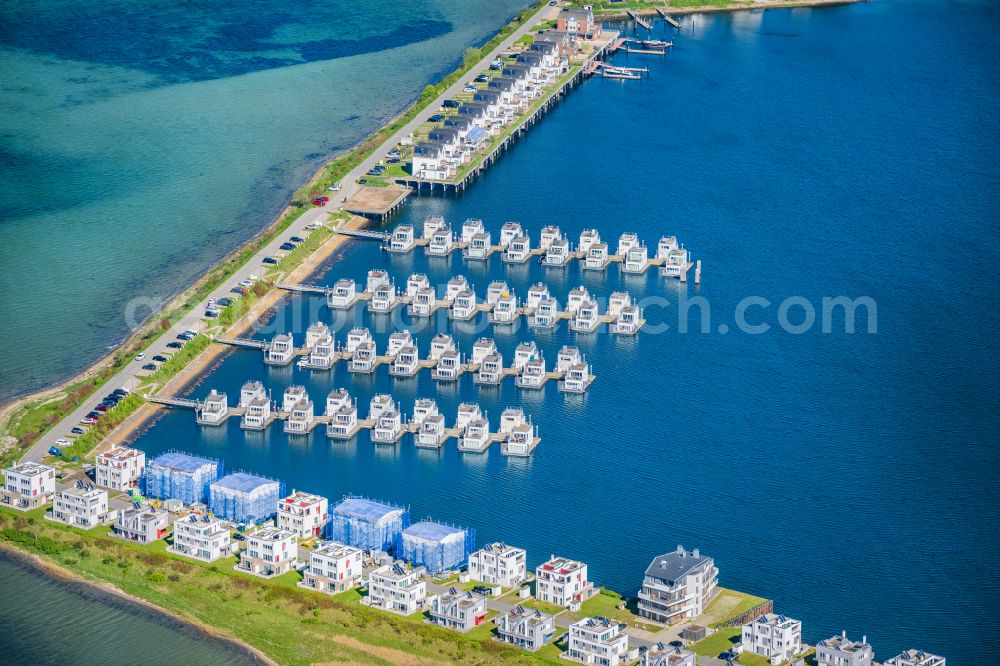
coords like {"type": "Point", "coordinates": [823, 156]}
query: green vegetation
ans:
{"type": "Point", "coordinates": [291, 625]}
{"type": "Point", "coordinates": [722, 641]}
{"type": "Point", "coordinates": [729, 604]}
{"type": "Point", "coordinates": [112, 418]}
{"type": "Point", "coordinates": [179, 359]}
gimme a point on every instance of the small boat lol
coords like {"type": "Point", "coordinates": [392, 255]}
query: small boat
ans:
{"type": "Point", "coordinates": [619, 73]}
{"type": "Point", "coordinates": [655, 44]}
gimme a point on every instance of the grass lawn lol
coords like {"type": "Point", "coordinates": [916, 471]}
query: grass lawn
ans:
{"type": "Point", "coordinates": [721, 641]}
{"type": "Point", "coordinates": [605, 604]}
{"type": "Point", "coordinates": [726, 605]}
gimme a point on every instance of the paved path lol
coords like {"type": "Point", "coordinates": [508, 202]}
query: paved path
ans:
{"type": "Point", "coordinates": [131, 374]}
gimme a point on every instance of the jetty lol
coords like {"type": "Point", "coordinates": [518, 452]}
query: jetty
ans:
{"type": "Point", "coordinates": [376, 203]}
{"type": "Point", "coordinates": [638, 19]}
{"type": "Point", "coordinates": [668, 18]}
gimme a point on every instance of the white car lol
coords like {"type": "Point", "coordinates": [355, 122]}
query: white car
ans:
{"type": "Point", "coordinates": [335, 187]}
{"type": "Point", "coordinates": [211, 300]}
{"type": "Point", "coordinates": [140, 356]}
{"type": "Point", "coordinates": [63, 442]}
{"type": "Point", "coordinates": [246, 284]}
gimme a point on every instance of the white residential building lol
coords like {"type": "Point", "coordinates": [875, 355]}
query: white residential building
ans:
{"type": "Point", "coordinates": [667, 655]}
{"type": "Point", "coordinates": [28, 486]}
{"type": "Point", "coordinates": [431, 162]}
{"type": "Point", "coordinates": [774, 636]}
{"type": "Point", "coordinates": [527, 629]}
{"type": "Point", "coordinates": [394, 588]}
{"type": "Point", "coordinates": [269, 552]}
{"type": "Point", "coordinates": [677, 585]}
{"type": "Point", "coordinates": [597, 640]}
{"type": "Point", "coordinates": [205, 539]}
{"type": "Point", "coordinates": [498, 564]}
{"type": "Point", "coordinates": [915, 658]}
{"type": "Point", "coordinates": [119, 468]}
{"type": "Point", "coordinates": [333, 567]}
{"type": "Point", "coordinates": [142, 524]}
{"type": "Point", "coordinates": [838, 651]}
{"type": "Point", "coordinates": [304, 513]}
{"type": "Point", "coordinates": [562, 582]}
{"type": "Point", "coordinates": [82, 506]}
{"type": "Point", "coordinates": [457, 609]}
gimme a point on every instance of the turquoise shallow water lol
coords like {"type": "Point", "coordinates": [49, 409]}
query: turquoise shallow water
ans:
{"type": "Point", "coordinates": [142, 141]}
{"type": "Point", "coordinates": [848, 151]}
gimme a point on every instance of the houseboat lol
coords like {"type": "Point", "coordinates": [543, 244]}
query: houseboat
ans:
{"type": "Point", "coordinates": [280, 350]}
{"type": "Point", "coordinates": [533, 374]}
{"type": "Point", "coordinates": [431, 433]}
{"type": "Point", "coordinates": [521, 441]}
{"type": "Point", "coordinates": [636, 260]}
{"type": "Point", "coordinates": [511, 417]}
{"type": "Point", "coordinates": [380, 403]}
{"type": "Point", "coordinates": [536, 293]}
{"type": "Point", "coordinates": [586, 317]}
{"type": "Point", "coordinates": [550, 234]}
{"type": "Point", "coordinates": [625, 243]}
{"type": "Point", "coordinates": [441, 343]}
{"type": "Point", "coordinates": [300, 419]}
{"type": "Point", "coordinates": [377, 278]}
{"type": "Point", "coordinates": [676, 263]}
{"type": "Point", "coordinates": [251, 390]}
{"type": "Point", "coordinates": [576, 379]}
{"type": "Point", "coordinates": [337, 399]}
{"type": "Point", "coordinates": [388, 426]}
{"type": "Point", "coordinates": [397, 341]}
{"type": "Point", "coordinates": [356, 336]}
{"type": "Point", "coordinates": [557, 254]}
{"type": "Point", "coordinates": [490, 370]}
{"type": "Point", "coordinates": [577, 297]}
{"type": "Point", "coordinates": [442, 242]}
{"type": "Point", "coordinates": [518, 251]}
{"type": "Point", "coordinates": [455, 286]}
{"type": "Point", "coordinates": [322, 356]}
{"type": "Point", "coordinates": [214, 410]}
{"type": "Point", "coordinates": [496, 289]}
{"type": "Point", "coordinates": [588, 238]}
{"type": "Point", "coordinates": [432, 225]}
{"type": "Point", "coordinates": [364, 359]}
{"type": "Point", "coordinates": [506, 310]}
{"type": "Point", "coordinates": [464, 307]}
{"type": "Point", "coordinates": [476, 436]}
{"type": "Point", "coordinates": [415, 283]}
{"type": "Point", "coordinates": [523, 353]}
{"type": "Point", "coordinates": [293, 395]}
{"type": "Point", "coordinates": [423, 408]}
{"type": "Point", "coordinates": [628, 321]}
{"type": "Point", "coordinates": [482, 348]}
{"type": "Point", "coordinates": [449, 367]}
{"type": "Point", "coordinates": [257, 415]}
{"type": "Point", "coordinates": [403, 239]}
{"type": "Point", "coordinates": [567, 357]}
{"type": "Point", "coordinates": [470, 228]}
{"type": "Point", "coordinates": [315, 333]}
{"type": "Point", "coordinates": [596, 258]}
{"type": "Point", "coordinates": [423, 303]}
{"type": "Point", "coordinates": [508, 232]}
{"type": "Point", "coordinates": [406, 363]}
{"type": "Point", "coordinates": [384, 299]}
{"type": "Point", "coordinates": [480, 246]}
{"type": "Point", "coordinates": [546, 315]}
{"type": "Point", "coordinates": [467, 412]}
{"type": "Point", "coordinates": [617, 301]}
{"type": "Point", "coordinates": [666, 245]}
{"type": "Point", "coordinates": [343, 295]}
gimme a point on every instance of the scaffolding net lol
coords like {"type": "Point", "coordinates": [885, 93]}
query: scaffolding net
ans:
{"type": "Point", "coordinates": [367, 524]}
{"type": "Point", "coordinates": [181, 476]}
{"type": "Point", "coordinates": [245, 498]}
{"type": "Point", "coordinates": [436, 546]}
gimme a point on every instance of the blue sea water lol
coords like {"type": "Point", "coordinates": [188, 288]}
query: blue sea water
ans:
{"type": "Point", "coordinates": [849, 151]}
{"type": "Point", "coordinates": [141, 141]}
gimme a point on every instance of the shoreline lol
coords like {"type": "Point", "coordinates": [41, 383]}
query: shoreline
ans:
{"type": "Point", "coordinates": [759, 4]}
{"type": "Point", "coordinates": [107, 592]}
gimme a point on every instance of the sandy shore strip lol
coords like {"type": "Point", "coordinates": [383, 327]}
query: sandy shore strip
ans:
{"type": "Point", "coordinates": [108, 591]}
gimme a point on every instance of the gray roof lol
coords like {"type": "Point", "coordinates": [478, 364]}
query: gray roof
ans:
{"type": "Point", "coordinates": [443, 135]}
{"type": "Point", "coordinates": [488, 96]}
{"type": "Point", "coordinates": [672, 566]}
{"type": "Point", "coordinates": [503, 83]}
{"type": "Point", "coordinates": [516, 71]}
{"type": "Point", "coordinates": [472, 109]}
{"type": "Point", "coordinates": [428, 149]}
{"type": "Point", "coordinates": [458, 122]}
{"type": "Point", "coordinates": [543, 47]}
{"type": "Point", "coordinates": [531, 59]}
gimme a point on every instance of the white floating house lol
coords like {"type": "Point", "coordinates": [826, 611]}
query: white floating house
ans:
{"type": "Point", "coordinates": [377, 278]}
{"type": "Point", "coordinates": [550, 234]}
{"type": "Point", "coordinates": [577, 379]}
{"type": "Point", "coordinates": [480, 246]}
{"type": "Point", "coordinates": [364, 358]}
{"type": "Point", "coordinates": [250, 391]}
{"type": "Point", "coordinates": [423, 303]}
{"type": "Point", "coordinates": [557, 254]}
{"type": "Point", "coordinates": [508, 232]}
{"type": "Point", "coordinates": [388, 426]}
{"type": "Point", "coordinates": [482, 348]}
{"type": "Point", "coordinates": [449, 367]}
{"type": "Point", "coordinates": [356, 336]}
{"type": "Point", "coordinates": [476, 436]}
{"type": "Point", "coordinates": [495, 290]}
{"type": "Point", "coordinates": [511, 416]}
{"type": "Point", "coordinates": [546, 315]}
{"type": "Point", "coordinates": [258, 414]}
{"type": "Point", "coordinates": [625, 243]}
{"type": "Point", "coordinates": [422, 408]}
{"type": "Point", "coordinates": [456, 286]}
{"type": "Point", "coordinates": [315, 333]}
{"type": "Point", "coordinates": [384, 298]}
{"type": "Point", "coordinates": [617, 301]}
{"type": "Point", "coordinates": [533, 374]}
{"type": "Point", "coordinates": [596, 258]}
{"type": "Point", "coordinates": [628, 321]}
{"type": "Point", "coordinates": [465, 306]}
{"type": "Point", "coordinates": [442, 242]}
{"type": "Point", "coordinates": [636, 260]}
{"type": "Point", "coordinates": [518, 250]}
{"type": "Point", "coordinates": [537, 293]}
{"type": "Point", "coordinates": [293, 395]}
{"type": "Point", "coordinates": [343, 295]}
{"type": "Point", "coordinates": [300, 419]}
{"type": "Point", "coordinates": [380, 403]}
{"type": "Point", "coordinates": [470, 228]}
{"type": "Point", "coordinates": [322, 356]}
{"type": "Point", "coordinates": [406, 363]}
{"type": "Point", "coordinates": [280, 350]}
{"type": "Point", "coordinates": [586, 318]}
{"type": "Point", "coordinates": [397, 341]}
{"type": "Point", "coordinates": [567, 357]}
{"type": "Point", "coordinates": [521, 441]}
{"type": "Point", "coordinates": [523, 353]}
{"type": "Point", "coordinates": [415, 283]}
{"type": "Point", "coordinates": [467, 412]}
{"type": "Point", "coordinates": [577, 297]}
{"type": "Point", "coordinates": [213, 410]}
{"type": "Point", "coordinates": [677, 262]}
{"type": "Point", "coordinates": [343, 413]}
{"type": "Point", "coordinates": [431, 433]}
{"type": "Point", "coordinates": [490, 370]}
{"type": "Point", "coordinates": [432, 224]}
{"type": "Point", "coordinates": [588, 238]}
{"type": "Point", "coordinates": [666, 245]}
{"type": "Point", "coordinates": [441, 343]}
{"type": "Point", "coordinates": [403, 239]}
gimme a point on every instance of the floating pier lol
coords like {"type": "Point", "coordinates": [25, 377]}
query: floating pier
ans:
{"type": "Point", "coordinates": [638, 19]}
{"type": "Point", "coordinates": [668, 18]}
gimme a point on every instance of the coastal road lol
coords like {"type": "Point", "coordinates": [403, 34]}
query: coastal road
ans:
{"type": "Point", "coordinates": [130, 376]}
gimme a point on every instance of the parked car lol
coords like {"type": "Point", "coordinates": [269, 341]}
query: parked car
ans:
{"type": "Point", "coordinates": [160, 358]}
{"type": "Point", "coordinates": [295, 239]}
{"type": "Point", "coordinates": [149, 366]}
{"type": "Point", "coordinates": [451, 104]}
{"type": "Point", "coordinates": [63, 442]}
{"type": "Point", "coordinates": [212, 313]}
{"type": "Point", "coordinates": [246, 284]}
{"type": "Point", "coordinates": [335, 187]}
{"type": "Point", "coordinates": [224, 302]}
{"type": "Point", "coordinates": [270, 260]}
{"type": "Point", "coordinates": [393, 160]}
{"type": "Point", "coordinates": [318, 202]}
{"type": "Point", "coordinates": [77, 431]}
{"type": "Point", "coordinates": [482, 78]}
{"type": "Point", "coordinates": [88, 420]}
{"type": "Point", "coordinates": [239, 290]}
{"type": "Point", "coordinates": [362, 181]}
{"type": "Point", "coordinates": [140, 356]}
{"type": "Point", "coordinates": [437, 117]}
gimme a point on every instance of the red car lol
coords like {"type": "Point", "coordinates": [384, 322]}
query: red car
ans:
{"type": "Point", "coordinates": [324, 198]}
{"type": "Point", "coordinates": [318, 202]}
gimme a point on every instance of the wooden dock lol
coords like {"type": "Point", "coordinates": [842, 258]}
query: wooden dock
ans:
{"type": "Point", "coordinates": [638, 19]}
{"type": "Point", "coordinates": [376, 203]}
{"type": "Point", "coordinates": [668, 18]}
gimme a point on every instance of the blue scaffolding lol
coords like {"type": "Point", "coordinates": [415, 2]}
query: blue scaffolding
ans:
{"type": "Point", "coordinates": [245, 498]}
{"type": "Point", "coordinates": [436, 546]}
{"type": "Point", "coordinates": [181, 476]}
{"type": "Point", "coordinates": [368, 524]}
